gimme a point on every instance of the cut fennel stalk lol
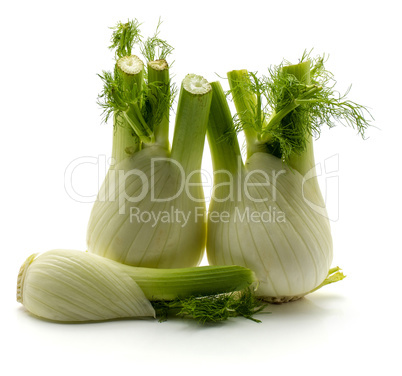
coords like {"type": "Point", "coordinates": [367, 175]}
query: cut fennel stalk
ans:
{"type": "Point", "coordinates": [74, 286]}
{"type": "Point", "coordinates": [150, 210]}
{"type": "Point", "coordinates": [268, 213]}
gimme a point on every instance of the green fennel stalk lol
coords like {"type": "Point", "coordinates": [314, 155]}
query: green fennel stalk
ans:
{"type": "Point", "coordinates": [286, 239]}
{"type": "Point", "coordinates": [150, 179]}
{"type": "Point", "coordinates": [74, 286]}
{"type": "Point", "coordinates": [281, 112]}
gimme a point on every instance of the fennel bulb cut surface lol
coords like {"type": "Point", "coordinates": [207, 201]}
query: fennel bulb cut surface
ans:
{"type": "Point", "coordinates": [268, 214]}
{"type": "Point", "coordinates": [150, 210]}
{"type": "Point", "coordinates": [74, 286]}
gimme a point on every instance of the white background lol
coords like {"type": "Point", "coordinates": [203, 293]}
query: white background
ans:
{"type": "Point", "coordinates": [50, 55]}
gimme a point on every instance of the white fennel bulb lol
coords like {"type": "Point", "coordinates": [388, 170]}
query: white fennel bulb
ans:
{"type": "Point", "coordinates": [65, 285]}
{"type": "Point", "coordinates": [150, 210]}
{"type": "Point", "coordinates": [73, 286]}
{"type": "Point", "coordinates": [269, 226]}
{"type": "Point", "coordinates": [268, 213]}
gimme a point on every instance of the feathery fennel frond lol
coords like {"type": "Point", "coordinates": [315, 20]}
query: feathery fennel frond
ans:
{"type": "Point", "coordinates": [158, 102]}
{"type": "Point", "coordinates": [124, 101]}
{"type": "Point", "coordinates": [133, 96]}
{"type": "Point", "coordinates": [301, 108]}
{"type": "Point", "coordinates": [155, 48]}
{"type": "Point", "coordinates": [124, 37]}
{"type": "Point", "coordinates": [211, 309]}
{"type": "Point", "coordinates": [286, 110]}
{"type": "Point", "coordinates": [112, 98]}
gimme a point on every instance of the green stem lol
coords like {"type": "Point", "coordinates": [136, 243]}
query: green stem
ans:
{"type": "Point", "coordinates": [302, 162]}
{"type": "Point", "coordinates": [125, 141]}
{"type": "Point", "coordinates": [277, 117]}
{"type": "Point", "coordinates": [191, 122]}
{"type": "Point", "coordinates": [301, 71]}
{"type": "Point", "coordinates": [67, 285]}
{"type": "Point", "coordinates": [159, 94]}
{"type": "Point", "coordinates": [246, 104]}
{"type": "Point", "coordinates": [136, 121]}
{"type": "Point", "coordinates": [214, 308]}
{"type": "Point", "coordinates": [131, 71]}
{"type": "Point", "coordinates": [169, 284]}
{"type": "Point", "coordinates": [222, 139]}
{"type": "Point", "coordinates": [334, 275]}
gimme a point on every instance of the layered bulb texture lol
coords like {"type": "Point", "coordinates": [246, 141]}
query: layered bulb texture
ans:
{"type": "Point", "coordinates": [266, 233]}
{"type": "Point", "coordinates": [74, 286]}
{"type": "Point", "coordinates": [265, 218]}
{"type": "Point", "coordinates": [268, 213]}
{"type": "Point", "coordinates": [150, 210]}
{"type": "Point", "coordinates": [151, 221]}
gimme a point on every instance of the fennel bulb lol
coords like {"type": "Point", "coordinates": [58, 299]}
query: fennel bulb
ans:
{"type": "Point", "coordinates": [150, 210]}
{"type": "Point", "coordinates": [73, 286]}
{"type": "Point", "coordinates": [268, 213]}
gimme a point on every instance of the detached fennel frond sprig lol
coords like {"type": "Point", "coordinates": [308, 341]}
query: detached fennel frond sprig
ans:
{"type": "Point", "coordinates": [75, 286]}
{"type": "Point", "coordinates": [212, 309]}
{"type": "Point", "coordinates": [281, 111]}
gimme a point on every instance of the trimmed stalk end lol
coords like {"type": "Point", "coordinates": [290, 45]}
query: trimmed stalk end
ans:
{"type": "Point", "coordinates": [195, 84]}
{"type": "Point", "coordinates": [191, 122]}
{"type": "Point", "coordinates": [236, 74]}
{"type": "Point", "coordinates": [130, 65]}
{"type": "Point", "coordinates": [334, 275]}
{"type": "Point", "coordinates": [158, 65]}
{"type": "Point", "coordinates": [301, 71]}
{"type": "Point", "coordinates": [21, 276]}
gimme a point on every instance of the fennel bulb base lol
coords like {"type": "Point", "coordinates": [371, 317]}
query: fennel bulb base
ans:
{"type": "Point", "coordinates": [280, 299]}
{"type": "Point", "coordinates": [290, 251]}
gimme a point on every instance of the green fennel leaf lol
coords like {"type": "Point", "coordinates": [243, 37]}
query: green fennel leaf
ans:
{"type": "Point", "coordinates": [124, 37]}
{"type": "Point", "coordinates": [155, 48]}
{"type": "Point", "coordinates": [158, 101]}
{"type": "Point", "coordinates": [211, 308]}
{"type": "Point", "coordinates": [142, 104]}
{"type": "Point", "coordinates": [112, 99]}
{"type": "Point", "coordinates": [286, 110]}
